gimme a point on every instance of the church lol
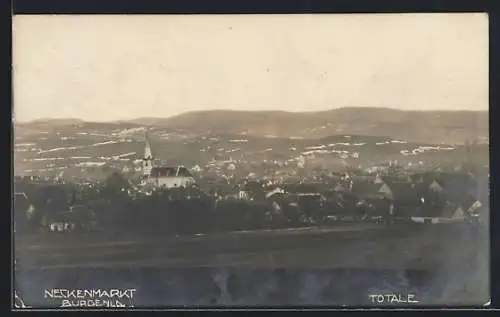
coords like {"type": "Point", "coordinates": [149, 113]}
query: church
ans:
{"type": "Point", "coordinates": [163, 176]}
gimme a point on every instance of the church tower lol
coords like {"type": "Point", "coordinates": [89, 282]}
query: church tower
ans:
{"type": "Point", "coordinates": [147, 161]}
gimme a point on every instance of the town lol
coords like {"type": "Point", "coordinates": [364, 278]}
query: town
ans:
{"type": "Point", "coordinates": [177, 200]}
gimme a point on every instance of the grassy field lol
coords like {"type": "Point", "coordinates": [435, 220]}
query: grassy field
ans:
{"type": "Point", "coordinates": [456, 258]}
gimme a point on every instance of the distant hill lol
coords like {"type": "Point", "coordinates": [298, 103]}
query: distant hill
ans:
{"type": "Point", "coordinates": [418, 126]}
{"type": "Point", "coordinates": [224, 142]}
{"type": "Point", "coordinates": [437, 127]}
{"type": "Point", "coordinates": [57, 121]}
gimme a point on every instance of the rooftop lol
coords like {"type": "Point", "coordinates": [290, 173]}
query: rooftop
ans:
{"type": "Point", "coordinates": [170, 172]}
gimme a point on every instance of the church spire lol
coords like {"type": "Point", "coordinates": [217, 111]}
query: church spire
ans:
{"type": "Point", "coordinates": [147, 162]}
{"type": "Point", "coordinates": [147, 149]}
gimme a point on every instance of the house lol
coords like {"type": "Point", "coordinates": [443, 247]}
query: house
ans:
{"type": "Point", "coordinates": [453, 212]}
{"type": "Point", "coordinates": [457, 185]}
{"type": "Point", "coordinates": [452, 185]}
{"type": "Point", "coordinates": [471, 206]}
{"type": "Point", "coordinates": [61, 220]}
{"type": "Point", "coordinates": [435, 187]}
{"type": "Point", "coordinates": [381, 207]}
{"type": "Point", "coordinates": [333, 201]}
{"type": "Point", "coordinates": [251, 190]}
{"type": "Point", "coordinates": [450, 213]}
{"type": "Point", "coordinates": [364, 190]}
{"type": "Point", "coordinates": [275, 191]}
{"type": "Point", "coordinates": [402, 192]}
{"type": "Point", "coordinates": [278, 196]}
{"type": "Point", "coordinates": [405, 199]}
{"type": "Point", "coordinates": [243, 195]}
{"type": "Point", "coordinates": [420, 178]}
{"type": "Point", "coordinates": [341, 186]}
{"type": "Point", "coordinates": [385, 191]}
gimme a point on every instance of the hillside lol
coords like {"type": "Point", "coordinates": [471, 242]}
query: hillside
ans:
{"type": "Point", "coordinates": [100, 152]}
{"type": "Point", "coordinates": [420, 126]}
{"type": "Point", "coordinates": [249, 139]}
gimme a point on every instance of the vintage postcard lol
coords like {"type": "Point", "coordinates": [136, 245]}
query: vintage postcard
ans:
{"type": "Point", "coordinates": [255, 160]}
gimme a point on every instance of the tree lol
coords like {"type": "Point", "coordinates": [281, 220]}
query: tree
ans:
{"type": "Point", "coordinates": [115, 186]}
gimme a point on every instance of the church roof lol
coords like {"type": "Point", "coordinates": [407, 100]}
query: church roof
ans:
{"type": "Point", "coordinates": [170, 172]}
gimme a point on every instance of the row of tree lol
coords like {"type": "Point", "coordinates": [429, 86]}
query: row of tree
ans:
{"type": "Point", "coordinates": [108, 206]}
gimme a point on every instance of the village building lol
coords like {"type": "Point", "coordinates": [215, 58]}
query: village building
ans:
{"type": "Point", "coordinates": [251, 190]}
{"type": "Point", "coordinates": [468, 208]}
{"type": "Point", "coordinates": [403, 198]}
{"type": "Point", "coordinates": [158, 177]}
{"type": "Point", "coordinates": [445, 186]}
{"type": "Point", "coordinates": [448, 197]}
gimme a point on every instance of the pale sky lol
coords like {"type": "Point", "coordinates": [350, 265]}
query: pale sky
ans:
{"type": "Point", "coordinates": [100, 67]}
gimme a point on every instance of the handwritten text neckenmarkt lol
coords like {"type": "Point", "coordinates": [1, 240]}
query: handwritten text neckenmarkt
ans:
{"type": "Point", "coordinates": [92, 297]}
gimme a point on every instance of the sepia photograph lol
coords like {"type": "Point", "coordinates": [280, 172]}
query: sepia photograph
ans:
{"type": "Point", "coordinates": [167, 161]}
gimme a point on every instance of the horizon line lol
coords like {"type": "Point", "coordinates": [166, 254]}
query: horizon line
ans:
{"type": "Point", "coordinates": [231, 110]}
